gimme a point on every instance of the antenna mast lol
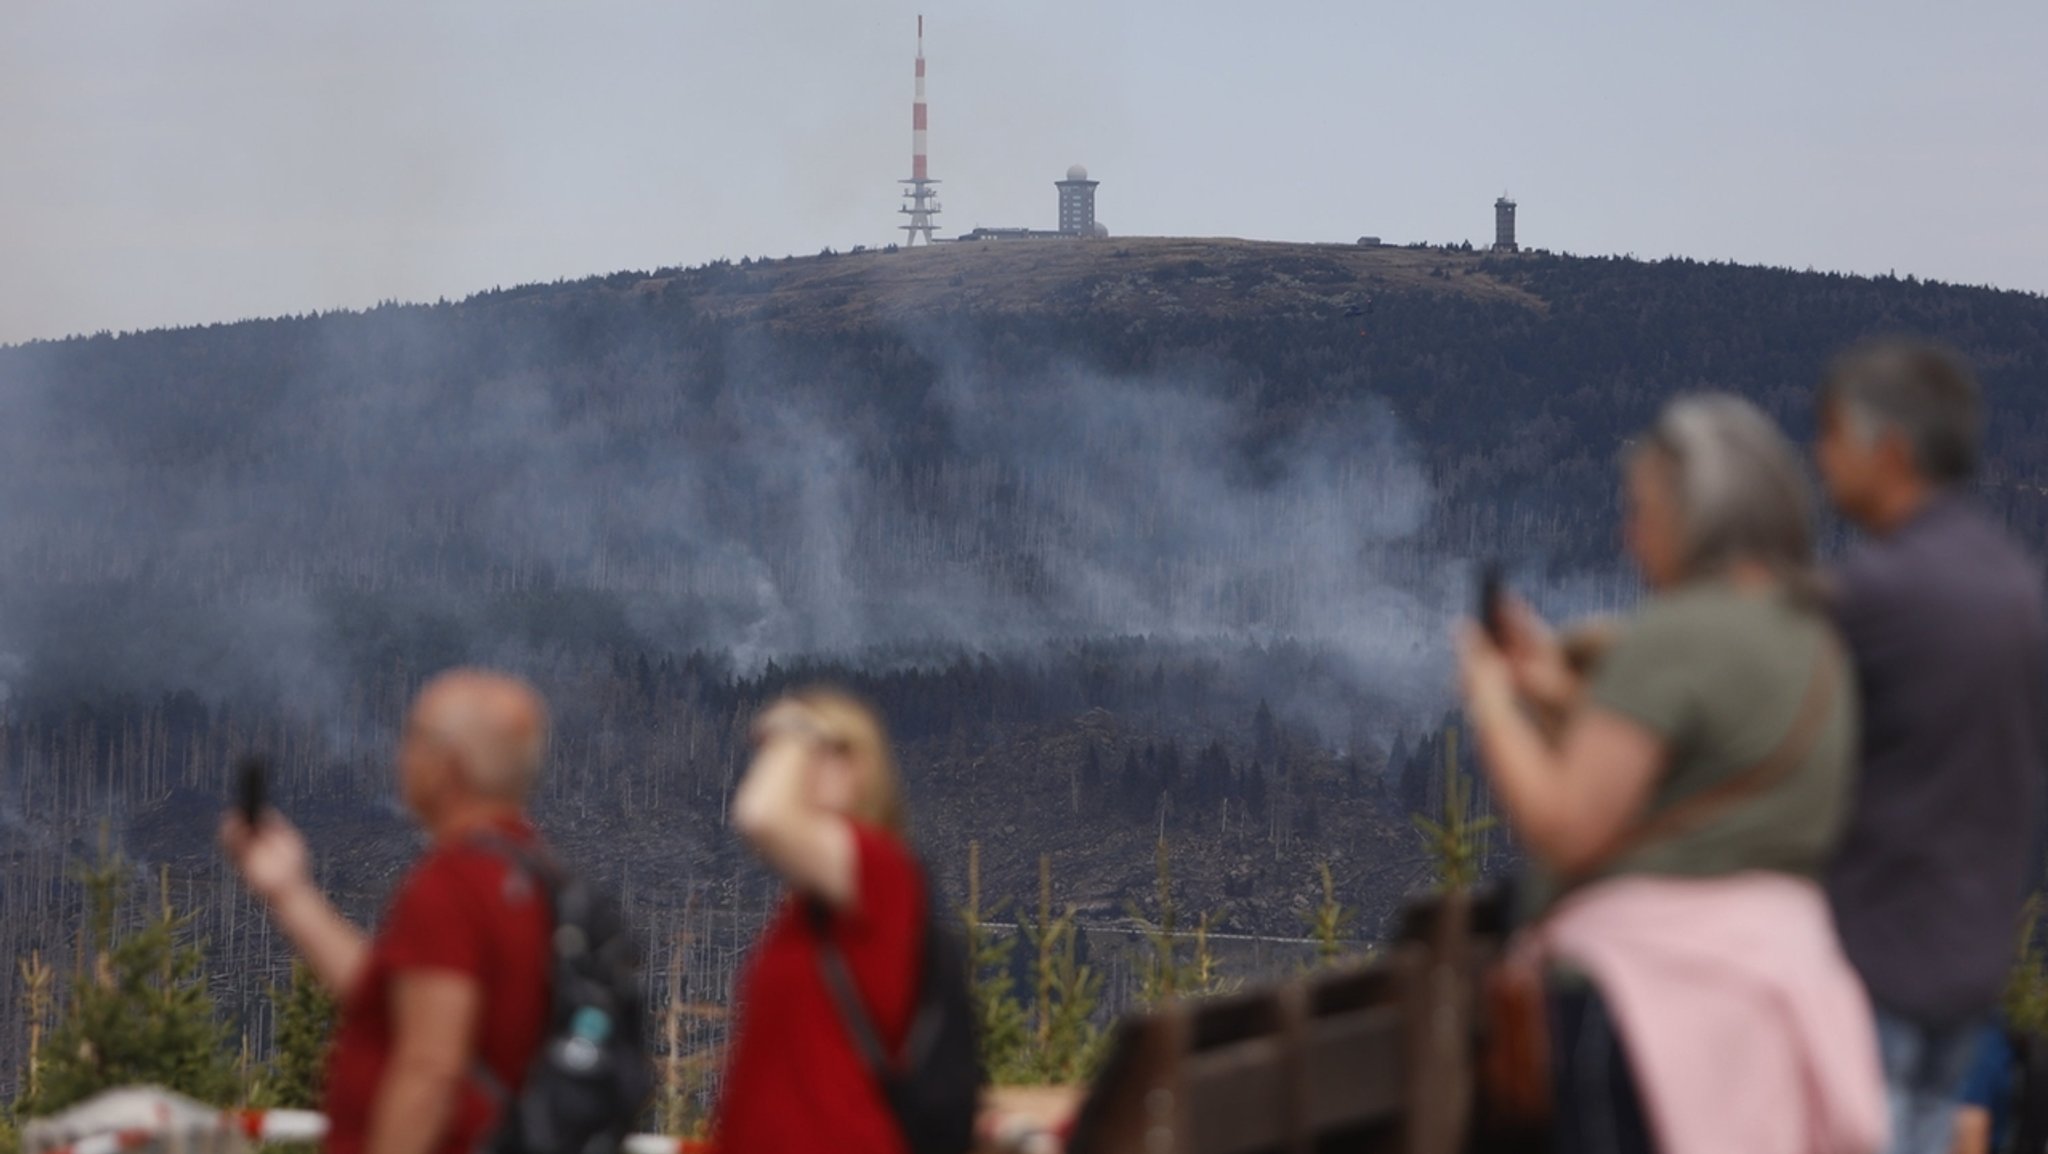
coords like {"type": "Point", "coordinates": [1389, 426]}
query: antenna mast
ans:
{"type": "Point", "coordinates": [921, 195]}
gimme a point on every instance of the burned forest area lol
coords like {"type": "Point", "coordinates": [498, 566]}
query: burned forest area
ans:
{"type": "Point", "coordinates": [1135, 542]}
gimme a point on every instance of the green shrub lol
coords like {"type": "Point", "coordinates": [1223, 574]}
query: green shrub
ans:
{"type": "Point", "coordinates": [139, 1012]}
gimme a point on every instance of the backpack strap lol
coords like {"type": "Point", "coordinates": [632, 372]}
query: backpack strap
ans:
{"type": "Point", "coordinates": [533, 861]}
{"type": "Point", "coordinates": [846, 996]}
{"type": "Point", "coordinates": [539, 867]}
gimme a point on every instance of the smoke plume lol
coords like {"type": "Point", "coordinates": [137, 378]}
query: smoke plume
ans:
{"type": "Point", "coordinates": [263, 510]}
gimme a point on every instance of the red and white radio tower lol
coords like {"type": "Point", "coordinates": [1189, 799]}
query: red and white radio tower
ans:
{"type": "Point", "coordinates": [921, 198]}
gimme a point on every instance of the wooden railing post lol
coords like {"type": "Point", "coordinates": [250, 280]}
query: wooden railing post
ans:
{"type": "Point", "coordinates": [1439, 1030]}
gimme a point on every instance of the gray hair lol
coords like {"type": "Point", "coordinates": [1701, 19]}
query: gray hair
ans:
{"type": "Point", "coordinates": [1920, 391]}
{"type": "Point", "coordinates": [1740, 492]}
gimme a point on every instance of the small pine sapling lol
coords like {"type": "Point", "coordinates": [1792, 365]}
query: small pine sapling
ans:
{"type": "Point", "coordinates": [1329, 922]}
{"type": "Point", "coordinates": [1457, 842]}
{"type": "Point", "coordinates": [303, 1013]}
{"type": "Point", "coordinates": [1005, 1036]}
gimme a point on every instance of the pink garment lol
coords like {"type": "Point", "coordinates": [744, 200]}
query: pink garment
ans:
{"type": "Point", "coordinates": [1746, 1028]}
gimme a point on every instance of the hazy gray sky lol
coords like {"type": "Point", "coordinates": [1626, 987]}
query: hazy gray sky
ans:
{"type": "Point", "coordinates": [179, 161]}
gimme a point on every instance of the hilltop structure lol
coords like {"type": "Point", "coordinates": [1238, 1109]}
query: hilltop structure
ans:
{"type": "Point", "coordinates": [1076, 218]}
{"type": "Point", "coordinates": [921, 197]}
{"type": "Point", "coordinates": [1077, 202]}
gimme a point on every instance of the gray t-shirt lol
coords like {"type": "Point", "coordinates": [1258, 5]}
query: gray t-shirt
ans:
{"type": "Point", "coordinates": [1944, 620]}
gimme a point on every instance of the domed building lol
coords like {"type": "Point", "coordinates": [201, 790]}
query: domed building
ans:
{"type": "Point", "coordinates": [1077, 214]}
{"type": "Point", "coordinates": [1077, 202]}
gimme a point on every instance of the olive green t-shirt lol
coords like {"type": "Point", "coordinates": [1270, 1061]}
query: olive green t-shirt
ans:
{"type": "Point", "coordinates": [1718, 674]}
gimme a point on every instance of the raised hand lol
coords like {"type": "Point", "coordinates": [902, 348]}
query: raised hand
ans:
{"type": "Point", "coordinates": [1536, 661]}
{"type": "Point", "coordinates": [271, 856]}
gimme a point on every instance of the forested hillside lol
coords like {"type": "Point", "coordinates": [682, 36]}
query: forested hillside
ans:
{"type": "Point", "coordinates": [973, 445]}
{"type": "Point", "coordinates": [1132, 539]}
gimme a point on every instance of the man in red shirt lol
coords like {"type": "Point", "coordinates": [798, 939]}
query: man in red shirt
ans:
{"type": "Point", "coordinates": [455, 982]}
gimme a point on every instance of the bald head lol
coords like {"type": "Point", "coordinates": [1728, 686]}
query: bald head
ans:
{"type": "Point", "coordinates": [494, 726]}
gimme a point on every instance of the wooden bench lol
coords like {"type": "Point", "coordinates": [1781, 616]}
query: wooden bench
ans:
{"type": "Point", "coordinates": [1372, 1059]}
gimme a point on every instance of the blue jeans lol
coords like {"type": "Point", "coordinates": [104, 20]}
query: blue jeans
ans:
{"type": "Point", "coordinates": [1923, 1071]}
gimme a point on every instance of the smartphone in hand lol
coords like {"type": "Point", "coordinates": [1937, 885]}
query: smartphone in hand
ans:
{"type": "Point", "coordinates": [1492, 602]}
{"type": "Point", "coordinates": [252, 776]}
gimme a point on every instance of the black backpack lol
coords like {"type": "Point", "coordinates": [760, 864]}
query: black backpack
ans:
{"type": "Point", "coordinates": [934, 1086]}
{"type": "Point", "coordinates": [592, 1075]}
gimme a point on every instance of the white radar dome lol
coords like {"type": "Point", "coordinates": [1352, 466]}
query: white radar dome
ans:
{"type": "Point", "coordinates": [1077, 172]}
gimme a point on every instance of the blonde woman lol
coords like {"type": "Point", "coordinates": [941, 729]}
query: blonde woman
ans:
{"type": "Point", "coordinates": [1699, 998]}
{"type": "Point", "coordinates": [821, 805]}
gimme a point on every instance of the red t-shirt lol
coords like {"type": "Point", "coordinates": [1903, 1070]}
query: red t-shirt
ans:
{"type": "Point", "coordinates": [463, 909]}
{"type": "Point", "coordinates": [795, 1082]}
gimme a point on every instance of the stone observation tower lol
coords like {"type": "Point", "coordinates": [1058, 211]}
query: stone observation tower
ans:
{"type": "Point", "coordinates": [1504, 225]}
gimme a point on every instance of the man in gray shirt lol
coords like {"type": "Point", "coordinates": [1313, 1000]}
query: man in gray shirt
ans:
{"type": "Point", "coordinates": [1942, 613]}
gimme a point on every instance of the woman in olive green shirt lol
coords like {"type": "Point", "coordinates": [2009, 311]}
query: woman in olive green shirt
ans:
{"type": "Point", "coordinates": [1712, 744]}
